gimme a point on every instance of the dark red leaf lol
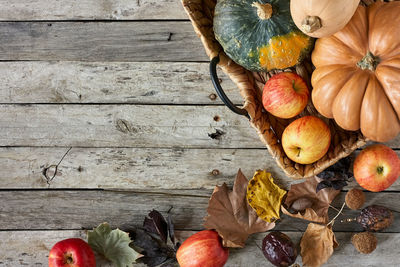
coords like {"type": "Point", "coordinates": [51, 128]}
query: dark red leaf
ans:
{"type": "Point", "coordinates": [171, 230]}
{"type": "Point", "coordinates": [156, 224]}
{"type": "Point", "coordinates": [152, 261]}
{"type": "Point", "coordinates": [322, 185]}
{"type": "Point", "coordinates": [149, 246]}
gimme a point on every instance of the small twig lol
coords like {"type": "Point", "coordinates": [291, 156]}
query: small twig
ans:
{"type": "Point", "coordinates": [334, 208]}
{"type": "Point", "coordinates": [170, 209]}
{"type": "Point", "coordinates": [64, 156]}
{"type": "Point", "coordinates": [49, 179]}
{"type": "Point", "coordinates": [337, 215]}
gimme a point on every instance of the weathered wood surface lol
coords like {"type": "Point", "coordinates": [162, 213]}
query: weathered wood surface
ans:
{"type": "Point", "coordinates": [90, 9]}
{"type": "Point", "coordinates": [112, 82]}
{"type": "Point", "coordinates": [100, 41]}
{"type": "Point", "coordinates": [133, 168]}
{"type": "Point", "coordinates": [127, 126]}
{"type": "Point", "coordinates": [124, 126]}
{"type": "Point", "coordinates": [130, 168]}
{"type": "Point", "coordinates": [65, 209]}
{"type": "Point", "coordinates": [147, 142]}
{"type": "Point", "coordinates": [31, 248]}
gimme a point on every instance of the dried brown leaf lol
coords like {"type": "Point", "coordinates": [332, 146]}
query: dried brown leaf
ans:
{"type": "Point", "coordinates": [318, 212]}
{"type": "Point", "coordinates": [231, 216]}
{"type": "Point", "coordinates": [317, 244]}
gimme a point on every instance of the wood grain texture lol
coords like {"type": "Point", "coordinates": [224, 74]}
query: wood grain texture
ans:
{"type": "Point", "coordinates": [130, 168]}
{"type": "Point", "coordinates": [31, 248]}
{"type": "Point", "coordinates": [100, 41]}
{"type": "Point", "coordinates": [113, 82]}
{"type": "Point", "coordinates": [124, 126]}
{"type": "Point", "coordinates": [146, 156]}
{"type": "Point", "coordinates": [127, 126]}
{"type": "Point", "coordinates": [55, 209]}
{"type": "Point", "coordinates": [134, 168]}
{"type": "Point", "coordinates": [90, 9]}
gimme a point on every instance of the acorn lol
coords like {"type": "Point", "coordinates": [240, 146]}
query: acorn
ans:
{"type": "Point", "coordinates": [375, 218]}
{"type": "Point", "coordinates": [364, 242]}
{"type": "Point", "coordinates": [355, 199]}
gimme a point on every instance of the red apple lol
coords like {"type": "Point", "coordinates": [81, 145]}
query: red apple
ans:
{"type": "Point", "coordinates": [203, 249]}
{"type": "Point", "coordinates": [285, 95]}
{"type": "Point", "coordinates": [306, 139]}
{"type": "Point", "coordinates": [376, 168]}
{"type": "Point", "coordinates": [72, 252]}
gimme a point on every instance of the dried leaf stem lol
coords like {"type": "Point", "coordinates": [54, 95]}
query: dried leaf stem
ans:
{"type": "Point", "coordinates": [337, 215]}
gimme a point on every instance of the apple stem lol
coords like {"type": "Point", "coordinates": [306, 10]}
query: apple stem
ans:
{"type": "Point", "coordinates": [293, 85]}
{"type": "Point", "coordinates": [298, 151]}
{"type": "Point", "coordinates": [68, 258]}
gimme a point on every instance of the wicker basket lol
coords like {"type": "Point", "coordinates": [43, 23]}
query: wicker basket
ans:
{"type": "Point", "coordinates": [250, 84]}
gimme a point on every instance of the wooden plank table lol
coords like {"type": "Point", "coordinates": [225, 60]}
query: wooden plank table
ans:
{"type": "Point", "coordinates": [120, 91]}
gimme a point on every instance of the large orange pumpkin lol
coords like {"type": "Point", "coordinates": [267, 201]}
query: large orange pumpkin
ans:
{"type": "Point", "coordinates": [357, 75]}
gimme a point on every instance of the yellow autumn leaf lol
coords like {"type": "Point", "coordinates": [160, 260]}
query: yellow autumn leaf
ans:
{"type": "Point", "coordinates": [264, 196]}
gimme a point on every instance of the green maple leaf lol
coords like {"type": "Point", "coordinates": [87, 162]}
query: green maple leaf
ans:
{"type": "Point", "coordinates": [113, 245]}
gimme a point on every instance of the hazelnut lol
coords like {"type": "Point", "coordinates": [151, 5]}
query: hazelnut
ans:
{"type": "Point", "coordinates": [355, 199]}
{"type": "Point", "coordinates": [364, 242]}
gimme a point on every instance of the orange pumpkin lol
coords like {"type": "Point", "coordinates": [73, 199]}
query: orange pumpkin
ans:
{"type": "Point", "coordinates": [357, 75]}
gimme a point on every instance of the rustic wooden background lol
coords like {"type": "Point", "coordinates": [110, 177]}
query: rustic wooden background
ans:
{"type": "Point", "coordinates": [106, 110]}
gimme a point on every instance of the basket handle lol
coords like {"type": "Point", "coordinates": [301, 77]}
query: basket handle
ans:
{"type": "Point", "coordinates": [220, 91]}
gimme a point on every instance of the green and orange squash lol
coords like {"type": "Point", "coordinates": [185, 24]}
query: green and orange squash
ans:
{"type": "Point", "coordinates": [260, 35]}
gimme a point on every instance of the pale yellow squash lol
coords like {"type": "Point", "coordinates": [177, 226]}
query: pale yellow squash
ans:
{"type": "Point", "coordinates": [321, 18]}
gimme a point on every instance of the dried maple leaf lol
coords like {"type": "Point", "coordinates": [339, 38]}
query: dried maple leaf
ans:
{"type": "Point", "coordinates": [317, 244]}
{"type": "Point", "coordinates": [231, 216]}
{"type": "Point", "coordinates": [318, 210]}
{"type": "Point", "coordinates": [264, 196]}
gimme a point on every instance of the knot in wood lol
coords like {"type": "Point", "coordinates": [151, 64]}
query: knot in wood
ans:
{"type": "Point", "coordinates": [123, 126]}
{"type": "Point", "coordinates": [215, 172]}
